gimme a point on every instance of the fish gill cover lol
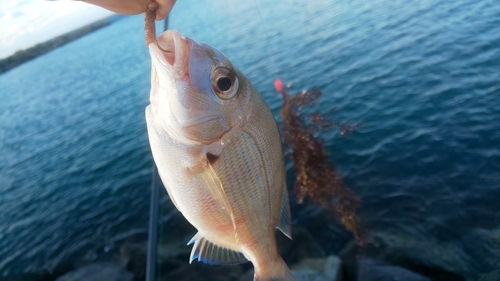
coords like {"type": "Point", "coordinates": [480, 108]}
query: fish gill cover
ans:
{"type": "Point", "coordinates": [317, 178]}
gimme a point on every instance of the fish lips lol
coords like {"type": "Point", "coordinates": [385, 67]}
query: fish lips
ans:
{"type": "Point", "coordinates": [170, 53]}
{"type": "Point", "coordinates": [170, 57]}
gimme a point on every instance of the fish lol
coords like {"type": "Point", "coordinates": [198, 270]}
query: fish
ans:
{"type": "Point", "coordinates": [218, 151]}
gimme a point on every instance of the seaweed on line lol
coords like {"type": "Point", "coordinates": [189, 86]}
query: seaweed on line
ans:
{"type": "Point", "coordinates": [317, 178]}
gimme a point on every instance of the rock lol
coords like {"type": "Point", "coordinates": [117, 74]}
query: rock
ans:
{"type": "Point", "coordinates": [373, 270]}
{"type": "Point", "coordinates": [248, 276]}
{"type": "Point", "coordinates": [173, 255]}
{"type": "Point", "coordinates": [318, 269]}
{"type": "Point", "coordinates": [101, 271]}
{"type": "Point", "coordinates": [302, 246]}
{"type": "Point", "coordinates": [133, 256]}
{"type": "Point", "coordinates": [313, 269]}
{"type": "Point", "coordinates": [491, 276]}
{"type": "Point", "coordinates": [202, 272]}
{"type": "Point", "coordinates": [65, 266]}
{"type": "Point", "coordinates": [30, 276]}
{"type": "Point", "coordinates": [349, 257]}
{"type": "Point", "coordinates": [438, 260]}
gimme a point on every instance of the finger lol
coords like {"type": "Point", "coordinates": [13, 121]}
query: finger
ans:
{"type": "Point", "coordinates": [126, 7]}
{"type": "Point", "coordinates": [165, 6]}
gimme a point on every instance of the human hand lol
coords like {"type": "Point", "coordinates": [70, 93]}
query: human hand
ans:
{"type": "Point", "coordinates": [132, 7]}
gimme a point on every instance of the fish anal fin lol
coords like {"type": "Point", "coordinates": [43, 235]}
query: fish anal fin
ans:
{"type": "Point", "coordinates": [211, 253]}
{"type": "Point", "coordinates": [285, 222]}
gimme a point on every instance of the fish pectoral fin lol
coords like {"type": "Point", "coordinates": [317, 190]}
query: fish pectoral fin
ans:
{"type": "Point", "coordinates": [285, 223]}
{"type": "Point", "coordinates": [211, 253]}
{"type": "Point", "coordinates": [212, 182]}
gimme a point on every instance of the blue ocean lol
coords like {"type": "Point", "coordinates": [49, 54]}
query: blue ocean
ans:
{"type": "Point", "coordinates": [422, 78]}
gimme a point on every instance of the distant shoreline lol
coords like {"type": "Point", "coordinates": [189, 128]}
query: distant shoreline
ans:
{"type": "Point", "coordinates": [23, 56]}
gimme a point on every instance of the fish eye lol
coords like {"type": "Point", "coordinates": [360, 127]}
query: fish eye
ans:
{"type": "Point", "coordinates": [224, 83]}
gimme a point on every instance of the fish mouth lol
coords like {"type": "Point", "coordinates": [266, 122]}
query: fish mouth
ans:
{"type": "Point", "coordinates": [172, 51]}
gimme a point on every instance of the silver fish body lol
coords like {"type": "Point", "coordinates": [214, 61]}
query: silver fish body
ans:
{"type": "Point", "coordinates": [218, 152]}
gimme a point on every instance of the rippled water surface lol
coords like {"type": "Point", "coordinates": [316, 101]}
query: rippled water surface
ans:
{"type": "Point", "coordinates": [422, 76]}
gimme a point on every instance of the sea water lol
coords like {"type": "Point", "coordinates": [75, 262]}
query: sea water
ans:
{"type": "Point", "coordinates": [423, 78]}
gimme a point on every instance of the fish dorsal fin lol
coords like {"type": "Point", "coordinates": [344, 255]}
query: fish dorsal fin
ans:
{"type": "Point", "coordinates": [285, 223]}
{"type": "Point", "coordinates": [211, 253]}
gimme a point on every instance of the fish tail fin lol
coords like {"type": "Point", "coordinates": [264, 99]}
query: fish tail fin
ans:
{"type": "Point", "coordinates": [274, 271]}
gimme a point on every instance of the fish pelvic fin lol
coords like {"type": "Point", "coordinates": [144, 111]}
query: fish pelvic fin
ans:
{"type": "Point", "coordinates": [285, 223]}
{"type": "Point", "coordinates": [211, 253]}
{"type": "Point", "coordinates": [275, 271]}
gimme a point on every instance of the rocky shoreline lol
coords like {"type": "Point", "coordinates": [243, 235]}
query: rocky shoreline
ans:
{"type": "Point", "coordinates": [23, 56]}
{"type": "Point", "coordinates": [126, 261]}
{"type": "Point", "coordinates": [306, 255]}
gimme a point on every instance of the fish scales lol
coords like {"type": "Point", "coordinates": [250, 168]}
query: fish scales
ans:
{"type": "Point", "coordinates": [219, 155]}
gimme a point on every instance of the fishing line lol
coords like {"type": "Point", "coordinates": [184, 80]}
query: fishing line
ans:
{"type": "Point", "coordinates": [277, 70]}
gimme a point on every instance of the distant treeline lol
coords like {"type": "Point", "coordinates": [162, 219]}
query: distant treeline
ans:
{"type": "Point", "coordinates": [23, 56]}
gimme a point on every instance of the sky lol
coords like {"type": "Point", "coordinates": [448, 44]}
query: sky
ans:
{"type": "Point", "coordinates": [24, 23]}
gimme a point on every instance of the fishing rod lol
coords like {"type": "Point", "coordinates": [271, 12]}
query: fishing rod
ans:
{"type": "Point", "coordinates": [153, 226]}
{"type": "Point", "coordinates": [153, 215]}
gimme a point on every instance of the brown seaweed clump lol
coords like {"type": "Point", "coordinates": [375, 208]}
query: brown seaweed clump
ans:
{"type": "Point", "coordinates": [317, 178]}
